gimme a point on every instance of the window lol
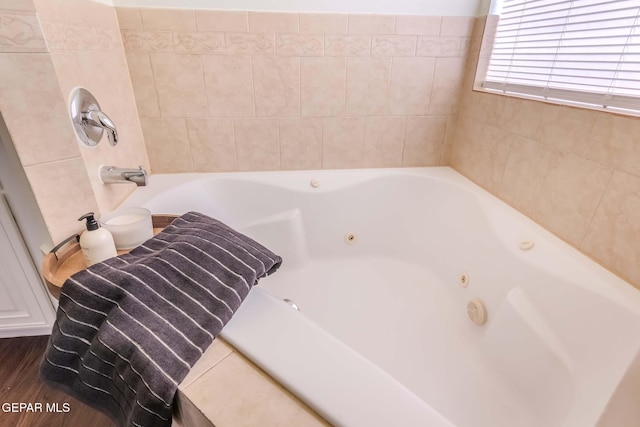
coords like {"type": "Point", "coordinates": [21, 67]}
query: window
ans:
{"type": "Point", "coordinates": [576, 51]}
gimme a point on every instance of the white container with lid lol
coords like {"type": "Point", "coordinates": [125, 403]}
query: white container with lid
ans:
{"type": "Point", "coordinates": [130, 227]}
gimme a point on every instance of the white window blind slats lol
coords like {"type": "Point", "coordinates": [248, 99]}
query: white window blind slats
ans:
{"type": "Point", "coordinates": [576, 12]}
{"type": "Point", "coordinates": [586, 50]}
{"type": "Point", "coordinates": [568, 25]}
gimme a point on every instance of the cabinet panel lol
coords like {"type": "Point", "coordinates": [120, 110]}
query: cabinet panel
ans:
{"type": "Point", "coordinates": [24, 308]}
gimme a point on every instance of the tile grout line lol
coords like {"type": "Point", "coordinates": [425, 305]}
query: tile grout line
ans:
{"type": "Point", "coordinates": [595, 210]}
{"type": "Point", "coordinates": [235, 142]}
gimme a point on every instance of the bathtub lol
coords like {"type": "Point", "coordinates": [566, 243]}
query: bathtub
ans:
{"type": "Point", "coordinates": [382, 265]}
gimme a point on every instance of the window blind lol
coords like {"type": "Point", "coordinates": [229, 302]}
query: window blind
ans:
{"type": "Point", "coordinates": [585, 51]}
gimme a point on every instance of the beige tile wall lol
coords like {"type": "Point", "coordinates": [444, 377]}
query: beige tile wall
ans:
{"type": "Point", "coordinates": [226, 91]}
{"type": "Point", "coordinates": [575, 171]}
{"type": "Point", "coordinates": [47, 47]}
{"type": "Point", "coordinates": [86, 50]}
{"type": "Point", "coordinates": [36, 117]}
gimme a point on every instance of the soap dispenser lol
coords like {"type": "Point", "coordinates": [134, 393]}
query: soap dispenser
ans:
{"type": "Point", "coordinates": [96, 243]}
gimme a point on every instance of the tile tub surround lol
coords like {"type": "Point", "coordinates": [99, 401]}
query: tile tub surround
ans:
{"type": "Point", "coordinates": [47, 47]}
{"type": "Point", "coordinates": [242, 90]}
{"type": "Point", "coordinates": [86, 50]}
{"type": "Point", "coordinates": [573, 170]}
{"type": "Point", "coordinates": [224, 387]}
{"type": "Point", "coordinates": [38, 123]}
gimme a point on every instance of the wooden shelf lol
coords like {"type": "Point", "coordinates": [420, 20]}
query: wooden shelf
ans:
{"type": "Point", "coordinates": [70, 260]}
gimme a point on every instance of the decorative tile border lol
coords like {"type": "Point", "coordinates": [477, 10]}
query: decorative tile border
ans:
{"type": "Point", "coordinates": [20, 33]}
{"type": "Point", "coordinates": [199, 43]}
{"type": "Point", "coordinates": [291, 34]}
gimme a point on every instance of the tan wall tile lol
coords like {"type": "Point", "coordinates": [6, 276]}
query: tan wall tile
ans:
{"type": "Point", "coordinates": [180, 85]}
{"type": "Point", "coordinates": [110, 84]}
{"type": "Point", "coordinates": [129, 18]}
{"type": "Point", "coordinates": [167, 144]}
{"type": "Point", "coordinates": [49, 10]}
{"type": "Point", "coordinates": [202, 43]}
{"type": "Point", "coordinates": [484, 108]}
{"type": "Point", "coordinates": [250, 44]}
{"type": "Point", "coordinates": [569, 196]}
{"type": "Point", "coordinates": [367, 86]}
{"type": "Point", "coordinates": [257, 144]}
{"type": "Point", "coordinates": [54, 35]}
{"type": "Point", "coordinates": [276, 82]}
{"type": "Point", "coordinates": [68, 69]}
{"type": "Point", "coordinates": [411, 83]}
{"type": "Point", "coordinates": [107, 39]}
{"type": "Point", "coordinates": [343, 145]}
{"type": "Point", "coordinates": [323, 82]}
{"type": "Point", "coordinates": [424, 141]}
{"type": "Point", "coordinates": [21, 5]}
{"type": "Point", "coordinates": [90, 14]}
{"type": "Point", "coordinates": [449, 140]}
{"type": "Point", "coordinates": [371, 24]}
{"type": "Point", "coordinates": [447, 82]}
{"type": "Point", "coordinates": [613, 236]}
{"type": "Point", "coordinates": [457, 26]}
{"type": "Point", "coordinates": [213, 145]}
{"type": "Point", "coordinates": [615, 141]}
{"type": "Point", "coordinates": [481, 153]}
{"type": "Point", "coordinates": [168, 19]}
{"type": "Point", "coordinates": [301, 143]}
{"type": "Point", "coordinates": [384, 140]}
{"type": "Point", "coordinates": [147, 41]}
{"type": "Point", "coordinates": [273, 22]}
{"type": "Point", "coordinates": [28, 89]}
{"type": "Point", "coordinates": [521, 116]}
{"type": "Point", "coordinates": [566, 128]}
{"type": "Point", "coordinates": [20, 32]}
{"type": "Point", "coordinates": [439, 46]}
{"type": "Point", "coordinates": [144, 85]}
{"type": "Point", "coordinates": [218, 20]}
{"type": "Point", "coordinates": [229, 86]}
{"type": "Point", "coordinates": [337, 45]}
{"type": "Point", "coordinates": [393, 45]}
{"type": "Point", "coordinates": [299, 45]}
{"type": "Point", "coordinates": [323, 23]}
{"type": "Point", "coordinates": [524, 173]}
{"type": "Point", "coordinates": [58, 181]}
{"type": "Point", "coordinates": [78, 38]}
{"type": "Point", "coordinates": [418, 25]}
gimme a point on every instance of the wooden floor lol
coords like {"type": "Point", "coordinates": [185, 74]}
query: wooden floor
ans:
{"type": "Point", "coordinates": [19, 383]}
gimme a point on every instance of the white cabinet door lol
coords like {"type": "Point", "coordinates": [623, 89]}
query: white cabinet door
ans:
{"type": "Point", "coordinates": [24, 307]}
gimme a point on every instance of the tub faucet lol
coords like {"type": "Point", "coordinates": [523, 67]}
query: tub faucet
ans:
{"type": "Point", "coordinates": [114, 175]}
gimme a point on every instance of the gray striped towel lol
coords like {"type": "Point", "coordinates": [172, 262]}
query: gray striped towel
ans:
{"type": "Point", "coordinates": [129, 329]}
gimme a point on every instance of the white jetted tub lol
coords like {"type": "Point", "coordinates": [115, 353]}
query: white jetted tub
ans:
{"type": "Point", "coordinates": [383, 264]}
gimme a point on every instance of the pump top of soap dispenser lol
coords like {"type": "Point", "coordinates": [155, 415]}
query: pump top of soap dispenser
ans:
{"type": "Point", "coordinates": [96, 243]}
{"type": "Point", "coordinates": [92, 224]}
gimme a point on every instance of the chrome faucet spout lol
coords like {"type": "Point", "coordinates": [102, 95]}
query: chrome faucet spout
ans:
{"type": "Point", "coordinates": [115, 175]}
{"type": "Point", "coordinates": [100, 119]}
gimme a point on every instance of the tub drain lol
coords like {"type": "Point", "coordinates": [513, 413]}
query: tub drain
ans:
{"type": "Point", "coordinates": [477, 311]}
